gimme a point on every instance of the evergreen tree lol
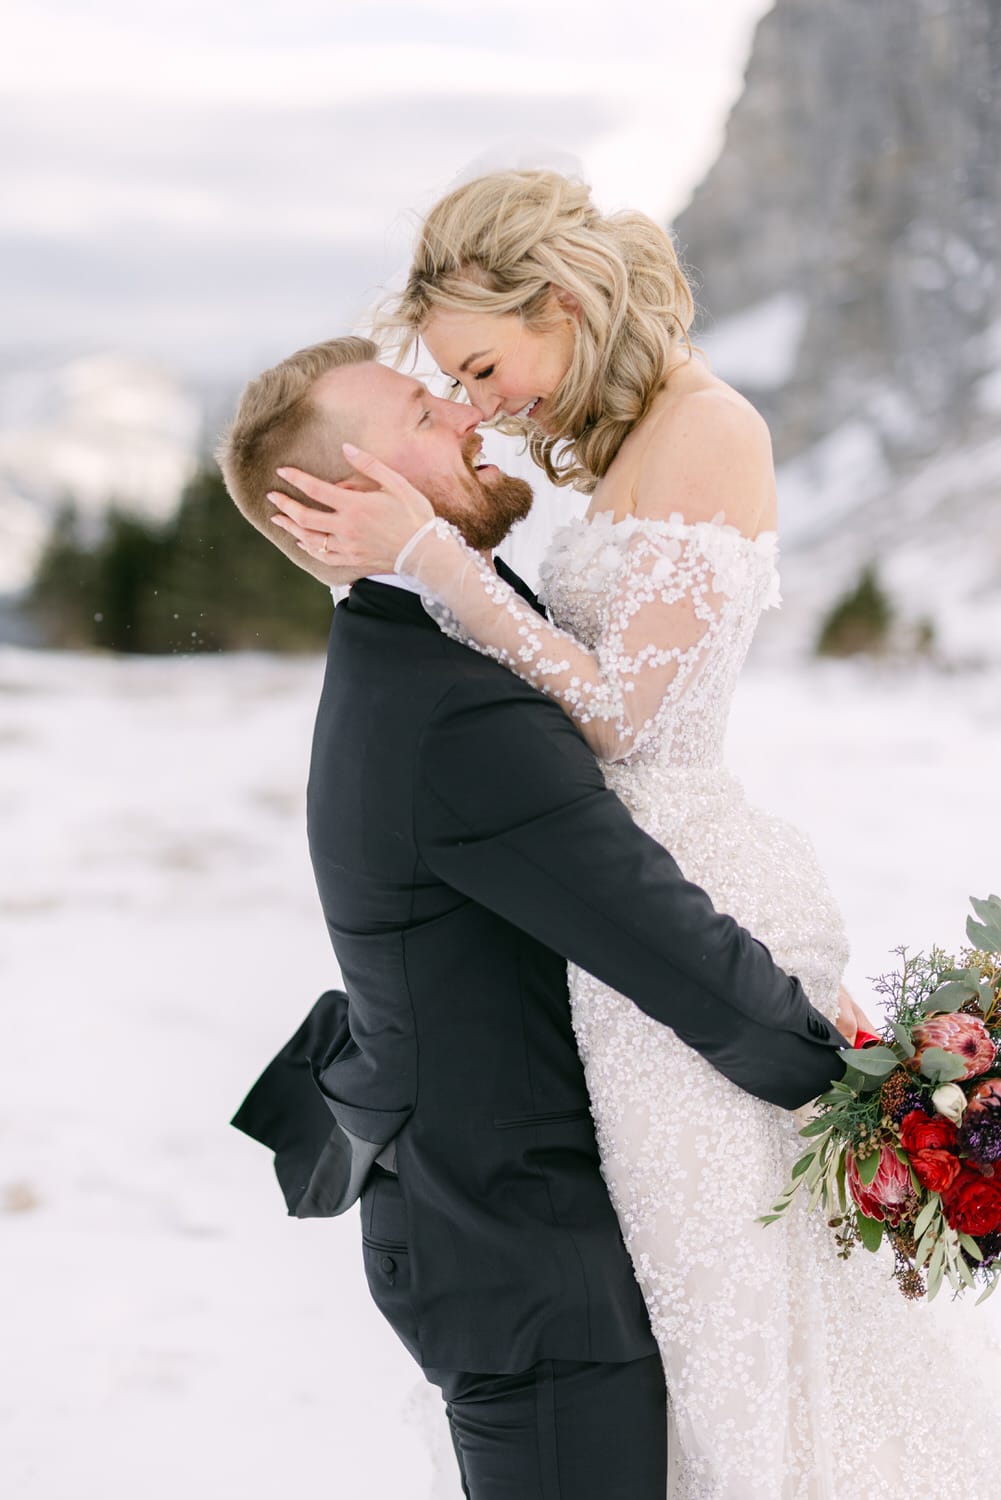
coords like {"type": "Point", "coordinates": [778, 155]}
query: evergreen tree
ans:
{"type": "Point", "coordinates": [205, 581]}
{"type": "Point", "coordinates": [860, 621]}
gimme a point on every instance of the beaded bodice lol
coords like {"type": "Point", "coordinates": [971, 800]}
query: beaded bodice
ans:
{"type": "Point", "coordinates": [589, 583]}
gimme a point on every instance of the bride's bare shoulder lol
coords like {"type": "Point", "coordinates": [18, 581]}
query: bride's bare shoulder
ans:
{"type": "Point", "coordinates": [708, 450]}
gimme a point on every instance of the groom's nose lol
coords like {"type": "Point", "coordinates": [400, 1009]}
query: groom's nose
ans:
{"type": "Point", "coordinates": [469, 418]}
{"type": "Point", "coordinates": [488, 408]}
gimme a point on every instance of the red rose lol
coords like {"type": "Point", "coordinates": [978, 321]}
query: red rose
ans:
{"type": "Point", "coordinates": [923, 1132]}
{"type": "Point", "coordinates": [936, 1170]}
{"type": "Point", "coordinates": [973, 1203]}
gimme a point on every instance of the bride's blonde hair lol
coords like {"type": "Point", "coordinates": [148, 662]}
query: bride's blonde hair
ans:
{"type": "Point", "coordinates": [506, 243]}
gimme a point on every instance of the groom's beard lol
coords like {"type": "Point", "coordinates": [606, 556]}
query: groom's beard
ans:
{"type": "Point", "coordinates": [483, 510]}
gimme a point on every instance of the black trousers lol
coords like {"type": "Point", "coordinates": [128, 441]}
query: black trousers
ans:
{"type": "Point", "coordinates": [560, 1431]}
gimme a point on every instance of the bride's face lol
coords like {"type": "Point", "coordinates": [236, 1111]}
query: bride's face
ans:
{"type": "Point", "coordinates": [501, 364]}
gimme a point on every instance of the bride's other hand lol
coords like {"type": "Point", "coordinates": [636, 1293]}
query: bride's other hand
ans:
{"type": "Point", "coordinates": [852, 1019]}
{"type": "Point", "coordinates": [361, 531]}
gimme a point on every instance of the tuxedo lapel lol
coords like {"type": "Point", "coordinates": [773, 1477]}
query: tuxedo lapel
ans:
{"type": "Point", "coordinates": [518, 584]}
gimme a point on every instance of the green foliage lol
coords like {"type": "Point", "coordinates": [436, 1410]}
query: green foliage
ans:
{"type": "Point", "coordinates": [986, 932]}
{"type": "Point", "coordinates": [205, 581]}
{"type": "Point", "coordinates": [939, 1066]}
{"type": "Point", "coordinates": [870, 1231]}
{"type": "Point", "coordinates": [859, 622]}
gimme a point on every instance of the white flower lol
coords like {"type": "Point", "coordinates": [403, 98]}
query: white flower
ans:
{"type": "Point", "coordinates": [662, 569]}
{"type": "Point", "coordinates": [950, 1101]}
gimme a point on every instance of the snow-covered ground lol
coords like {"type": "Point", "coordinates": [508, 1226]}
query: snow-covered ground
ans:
{"type": "Point", "coordinates": [165, 1329]}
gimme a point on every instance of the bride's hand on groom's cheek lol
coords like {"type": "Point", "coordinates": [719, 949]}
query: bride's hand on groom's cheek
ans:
{"type": "Point", "coordinates": [360, 531]}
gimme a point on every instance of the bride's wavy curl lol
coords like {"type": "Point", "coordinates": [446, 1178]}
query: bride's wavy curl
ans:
{"type": "Point", "coordinates": [505, 243]}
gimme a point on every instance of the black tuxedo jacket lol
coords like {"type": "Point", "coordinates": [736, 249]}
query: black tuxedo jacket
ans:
{"type": "Point", "coordinates": [465, 847]}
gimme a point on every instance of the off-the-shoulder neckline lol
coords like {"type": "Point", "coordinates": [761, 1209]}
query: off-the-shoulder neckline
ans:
{"type": "Point", "coordinates": [674, 523]}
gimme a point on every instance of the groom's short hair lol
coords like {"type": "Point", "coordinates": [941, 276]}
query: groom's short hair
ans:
{"type": "Point", "coordinates": [277, 423]}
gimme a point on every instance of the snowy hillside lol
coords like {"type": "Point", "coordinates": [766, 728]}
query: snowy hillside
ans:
{"type": "Point", "coordinates": [97, 428]}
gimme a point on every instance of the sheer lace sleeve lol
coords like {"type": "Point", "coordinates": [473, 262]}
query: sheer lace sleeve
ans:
{"type": "Point", "coordinates": [665, 589]}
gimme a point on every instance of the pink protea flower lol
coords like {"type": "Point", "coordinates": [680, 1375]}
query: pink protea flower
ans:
{"type": "Point", "coordinates": [889, 1192]}
{"type": "Point", "coordinates": [961, 1034]}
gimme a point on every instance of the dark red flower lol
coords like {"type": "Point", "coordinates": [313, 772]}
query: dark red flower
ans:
{"type": "Point", "coordinates": [973, 1203]}
{"type": "Point", "coordinates": [936, 1170]}
{"type": "Point", "coordinates": [923, 1132]}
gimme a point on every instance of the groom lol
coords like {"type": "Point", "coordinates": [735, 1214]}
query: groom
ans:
{"type": "Point", "coordinates": [465, 847]}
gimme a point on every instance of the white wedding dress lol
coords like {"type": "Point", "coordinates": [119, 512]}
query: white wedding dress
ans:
{"type": "Point", "coordinates": [792, 1375]}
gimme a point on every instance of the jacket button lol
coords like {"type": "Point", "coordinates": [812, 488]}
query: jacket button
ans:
{"type": "Point", "coordinates": [388, 1264]}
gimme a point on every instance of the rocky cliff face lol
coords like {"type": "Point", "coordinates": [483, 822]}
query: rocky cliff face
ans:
{"type": "Point", "coordinates": [848, 245]}
{"type": "Point", "coordinates": [861, 182]}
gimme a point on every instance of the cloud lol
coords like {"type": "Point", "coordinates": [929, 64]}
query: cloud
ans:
{"type": "Point", "coordinates": [315, 172]}
{"type": "Point", "coordinates": [178, 171]}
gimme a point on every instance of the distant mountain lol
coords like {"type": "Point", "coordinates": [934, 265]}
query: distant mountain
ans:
{"type": "Point", "coordinates": [848, 244]}
{"type": "Point", "coordinates": [92, 429]}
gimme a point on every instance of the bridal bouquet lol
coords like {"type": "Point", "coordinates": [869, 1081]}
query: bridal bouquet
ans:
{"type": "Point", "coordinates": [907, 1146]}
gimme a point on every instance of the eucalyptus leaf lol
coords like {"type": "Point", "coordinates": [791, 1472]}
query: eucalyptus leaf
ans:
{"type": "Point", "coordinates": [940, 1066]}
{"type": "Point", "coordinates": [852, 1079]}
{"type": "Point", "coordinates": [802, 1165]}
{"type": "Point", "coordinates": [768, 1218]}
{"type": "Point", "coordinates": [904, 1042]}
{"type": "Point", "coordinates": [816, 1127]}
{"type": "Point", "coordinates": [988, 911]}
{"type": "Point", "coordinates": [814, 1170]}
{"type": "Point", "coordinates": [870, 1231]}
{"type": "Point", "coordinates": [988, 938]}
{"type": "Point", "coordinates": [949, 997]}
{"type": "Point", "coordinates": [926, 1215]}
{"type": "Point", "coordinates": [926, 1245]}
{"type": "Point", "coordinates": [874, 1062]}
{"type": "Point", "coordinates": [935, 1271]}
{"type": "Point", "coordinates": [868, 1167]}
{"type": "Point", "coordinates": [836, 1095]}
{"type": "Point", "coordinates": [971, 1247]}
{"type": "Point", "coordinates": [840, 1183]}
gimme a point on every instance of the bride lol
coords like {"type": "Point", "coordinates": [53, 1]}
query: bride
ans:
{"type": "Point", "coordinates": [792, 1375]}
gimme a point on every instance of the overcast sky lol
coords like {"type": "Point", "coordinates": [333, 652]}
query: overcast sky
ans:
{"type": "Point", "coordinates": [214, 185]}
